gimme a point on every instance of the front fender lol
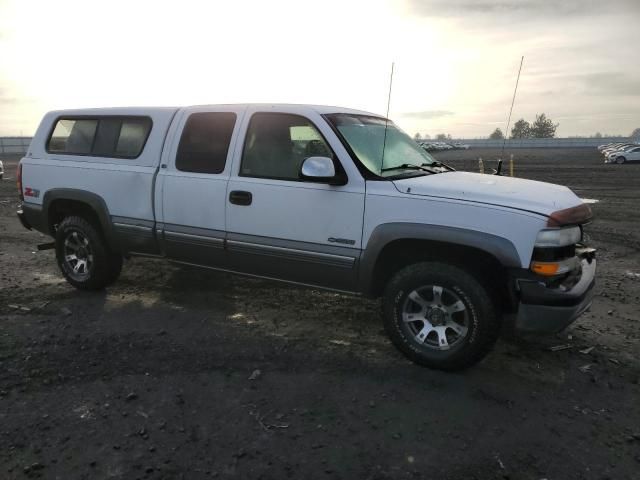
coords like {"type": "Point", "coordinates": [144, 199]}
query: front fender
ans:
{"type": "Point", "coordinates": [500, 248]}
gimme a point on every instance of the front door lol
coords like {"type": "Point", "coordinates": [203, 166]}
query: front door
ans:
{"type": "Point", "coordinates": [281, 226]}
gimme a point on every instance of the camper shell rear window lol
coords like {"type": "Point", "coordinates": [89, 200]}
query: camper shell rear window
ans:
{"type": "Point", "coordinates": [100, 136]}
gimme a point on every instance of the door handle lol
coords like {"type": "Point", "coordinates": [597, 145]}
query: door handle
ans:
{"type": "Point", "coordinates": [238, 197]}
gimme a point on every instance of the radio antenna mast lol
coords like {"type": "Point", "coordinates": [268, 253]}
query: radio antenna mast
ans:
{"type": "Point", "coordinates": [386, 123]}
{"type": "Point", "coordinates": [504, 141]}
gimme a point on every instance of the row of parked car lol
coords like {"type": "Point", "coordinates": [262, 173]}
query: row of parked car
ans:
{"type": "Point", "coordinates": [621, 152]}
{"type": "Point", "coordinates": [439, 146]}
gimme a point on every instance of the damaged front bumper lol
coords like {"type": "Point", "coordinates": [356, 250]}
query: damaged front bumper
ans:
{"type": "Point", "coordinates": [542, 309]}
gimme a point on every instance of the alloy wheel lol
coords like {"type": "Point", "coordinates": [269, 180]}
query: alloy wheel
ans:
{"type": "Point", "coordinates": [78, 255]}
{"type": "Point", "coordinates": [436, 317]}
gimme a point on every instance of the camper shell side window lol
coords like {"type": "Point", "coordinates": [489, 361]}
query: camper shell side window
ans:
{"type": "Point", "coordinates": [100, 136]}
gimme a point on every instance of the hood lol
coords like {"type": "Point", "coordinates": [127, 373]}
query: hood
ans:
{"type": "Point", "coordinates": [539, 197]}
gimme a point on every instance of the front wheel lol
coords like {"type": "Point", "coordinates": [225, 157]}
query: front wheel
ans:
{"type": "Point", "coordinates": [440, 316]}
{"type": "Point", "coordinates": [620, 160]}
{"type": "Point", "coordinates": [83, 256]}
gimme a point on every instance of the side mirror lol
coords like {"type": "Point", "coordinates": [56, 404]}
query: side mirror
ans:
{"type": "Point", "coordinates": [320, 169]}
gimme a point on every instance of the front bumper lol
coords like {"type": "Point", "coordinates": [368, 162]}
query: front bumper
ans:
{"type": "Point", "coordinates": [549, 310]}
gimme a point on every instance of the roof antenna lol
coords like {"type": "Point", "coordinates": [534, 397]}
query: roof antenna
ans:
{"type": "Point", "coordinates": [510, 111]}
{"type": "Point", "coordinates": [386, 123]}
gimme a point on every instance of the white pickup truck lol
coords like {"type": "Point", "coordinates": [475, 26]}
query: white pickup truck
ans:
{"type": "Point", "coordinates": [320, 196]}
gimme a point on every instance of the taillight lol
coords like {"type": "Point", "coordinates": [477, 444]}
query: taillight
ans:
{"type": "Point", "coordinates": [570, 216]}
{"type": "Point", "coordinates": [19, 180]}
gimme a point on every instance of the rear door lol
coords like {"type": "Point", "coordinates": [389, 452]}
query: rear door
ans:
{"type": "Point", "coordinates": [281, 226]}
{"type": "Point", "coordinates": [193, 183]}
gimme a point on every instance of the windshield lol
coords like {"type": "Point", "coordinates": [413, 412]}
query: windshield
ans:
{"type": "Point", "coordinates": [366, 137]}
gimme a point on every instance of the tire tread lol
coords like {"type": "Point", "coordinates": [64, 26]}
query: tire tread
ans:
{"type": "Point", "coordinates": [107, 265]}
{"type": "Point", "coordinates": [489, 321]}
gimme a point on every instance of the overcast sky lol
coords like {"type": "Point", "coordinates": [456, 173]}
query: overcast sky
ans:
{"type": "Point", "coordinates": [455, 61]}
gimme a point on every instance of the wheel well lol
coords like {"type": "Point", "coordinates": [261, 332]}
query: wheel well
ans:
{"type": "Point", "coordinates": [61, 208]}
{"type": "Point", "coordinates": [485, 267]}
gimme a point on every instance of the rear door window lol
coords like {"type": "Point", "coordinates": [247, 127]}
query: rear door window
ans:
{"type": "Point", "coordinates": [204, 143]}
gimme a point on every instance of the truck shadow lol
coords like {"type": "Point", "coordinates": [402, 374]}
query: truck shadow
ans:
{"type": "Point", "coordinates": [334, 326]}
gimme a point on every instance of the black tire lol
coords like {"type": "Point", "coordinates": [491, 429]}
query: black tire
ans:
{"type": "Point", "coordinates": [115, 267]}
{"type": "Point", "coordinates": [481, 324]}
{"type": "Point", "coordinates": [620, 160]}
{"type": "Point", "coordinates": [98, 267]}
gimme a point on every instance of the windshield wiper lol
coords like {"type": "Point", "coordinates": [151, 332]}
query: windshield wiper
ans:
{"type": "Point", "coordinates": [410, 166]}
{"type": "Point", "coordinates": [436, 163]}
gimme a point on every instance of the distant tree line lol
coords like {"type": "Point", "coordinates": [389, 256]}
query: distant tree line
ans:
{"type": "Point", "coordinates": [440, 136]}
{"type": "Point", "coordinates": [497, 134]}
{"type": "Point", "coordinates": [542, 127]}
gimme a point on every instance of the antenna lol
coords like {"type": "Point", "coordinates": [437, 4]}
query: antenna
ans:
{"type": "Point", "coordinates": [510, 111]}
{"type": "Point", "coordinates": [386, 123]}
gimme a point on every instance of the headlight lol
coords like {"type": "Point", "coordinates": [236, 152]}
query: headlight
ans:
{"type": "Point", "coordinates": [558, 237]}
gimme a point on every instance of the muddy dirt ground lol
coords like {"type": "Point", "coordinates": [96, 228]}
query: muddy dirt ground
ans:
{"type": "Point", "coordinates": [184, 373]}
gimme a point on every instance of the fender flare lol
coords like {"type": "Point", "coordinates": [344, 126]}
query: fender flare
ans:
{"type": "Point", "coordinates": [500, 248]}
{"type": "Point", "coordinates": [96, 202]}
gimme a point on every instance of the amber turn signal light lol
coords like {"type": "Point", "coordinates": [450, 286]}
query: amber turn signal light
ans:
{"type": "Point", "coordinates": [547, 269]}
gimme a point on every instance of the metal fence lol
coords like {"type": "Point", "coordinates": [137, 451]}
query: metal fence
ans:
{"type": "Point", "coordinates": [14, 145]}
{"type": "Point", "coordinates": [542, 142]}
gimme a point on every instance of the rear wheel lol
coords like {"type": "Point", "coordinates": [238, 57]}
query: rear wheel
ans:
{"type": "Point", "coordinates": [440, 316]}
{"type": "Point", "coordinates": [83, 256]}
{"type": "Point", "coordinates": [115, 267]}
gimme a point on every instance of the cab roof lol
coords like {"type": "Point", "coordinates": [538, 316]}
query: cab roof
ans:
{"type": "Point", "coordinates": [299, 108]}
